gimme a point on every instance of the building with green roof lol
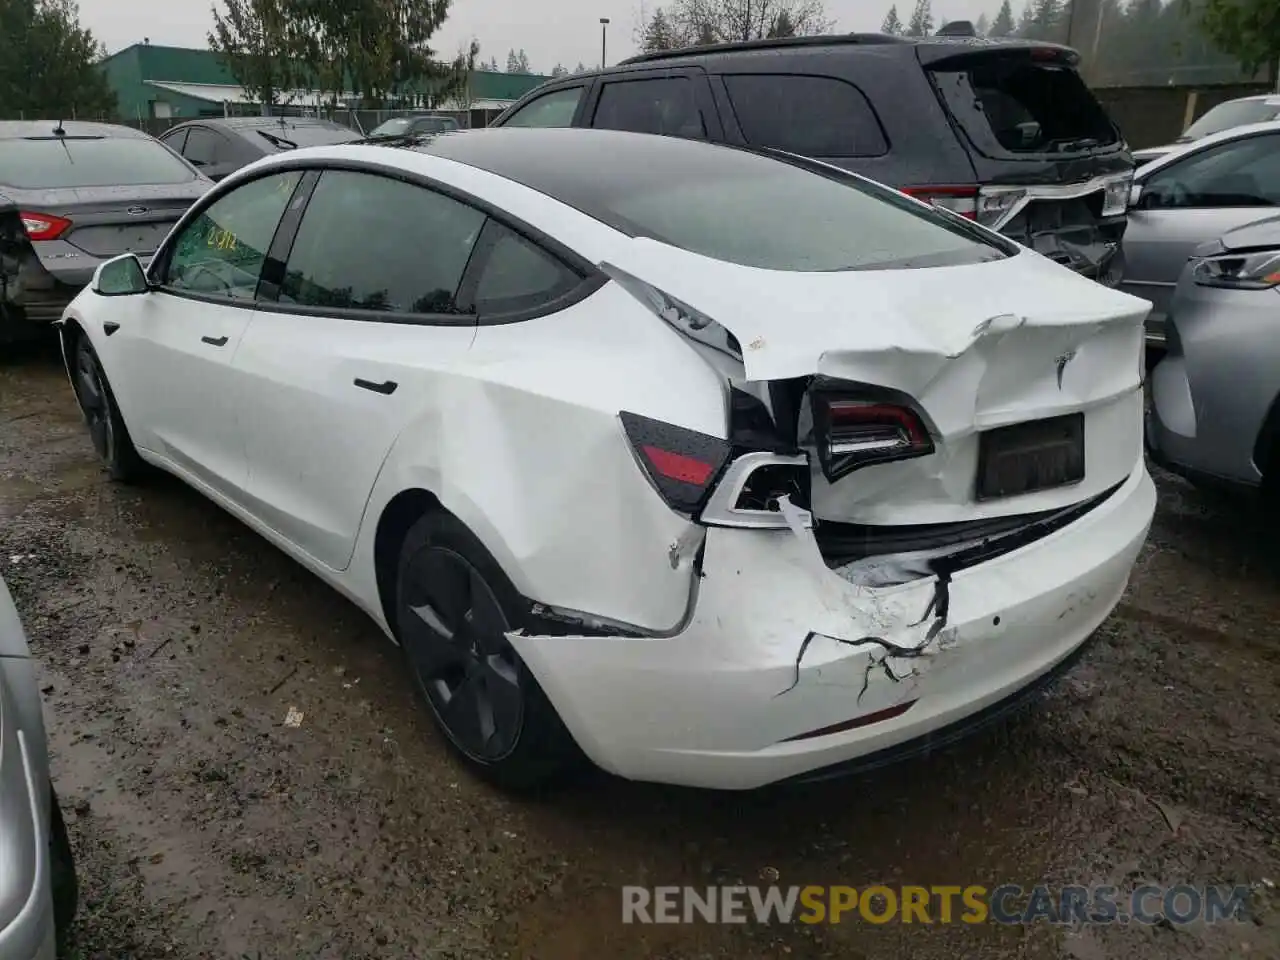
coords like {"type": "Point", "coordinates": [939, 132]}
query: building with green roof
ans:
{"type": "Point", "coordinates": [154, 82]}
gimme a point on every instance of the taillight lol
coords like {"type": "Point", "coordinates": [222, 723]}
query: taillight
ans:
{"type": "Point", "coordinates": [44, 226]}
{"type": "Point", "coordinates": [961, 200]}
{"type": "Point", "coordinates": [681, 464]}
{"type": "Point", "coordinates": [853, 432]}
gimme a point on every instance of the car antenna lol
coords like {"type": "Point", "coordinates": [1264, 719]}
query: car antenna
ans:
{"type": "Point", "coordinates": [58, 131]}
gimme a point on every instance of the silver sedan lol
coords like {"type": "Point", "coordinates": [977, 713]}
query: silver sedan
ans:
{"type": "Point", "coordinates": [1215, 411]}
{"type": "Point", "coordinates": [37, 874]}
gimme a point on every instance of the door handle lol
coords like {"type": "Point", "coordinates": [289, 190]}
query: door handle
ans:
{"type": "Point", "coordinates": [387, 387]}
{"type": "Point", "coordinates": [214, 341]}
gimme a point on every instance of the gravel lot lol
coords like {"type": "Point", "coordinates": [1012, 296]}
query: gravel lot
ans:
{"type": "Point", "coordinates": [174, 641]}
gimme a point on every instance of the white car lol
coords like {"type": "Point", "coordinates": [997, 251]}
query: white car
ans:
{"type": "Point", "coordinates": [721, 468]}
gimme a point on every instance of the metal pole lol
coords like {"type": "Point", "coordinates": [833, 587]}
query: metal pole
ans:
{"type": "Point", "coordinates": [604, 38]}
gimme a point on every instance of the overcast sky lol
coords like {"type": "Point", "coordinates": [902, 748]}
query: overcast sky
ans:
{"type": "Point", "coordinates": [551, 32]}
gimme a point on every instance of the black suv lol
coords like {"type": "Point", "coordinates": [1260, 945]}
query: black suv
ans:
{"type": "Point", "coordinates": [1004, 132]}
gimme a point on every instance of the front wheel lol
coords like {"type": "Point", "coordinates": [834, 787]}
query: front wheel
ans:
{"type": "Point", "coordinates": [454, 607]}
{"type": "Point", "coordinates": [110, 437]}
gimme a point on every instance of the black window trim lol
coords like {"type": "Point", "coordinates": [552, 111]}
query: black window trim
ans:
{"type": "Point", "coordinates": [592, 278]}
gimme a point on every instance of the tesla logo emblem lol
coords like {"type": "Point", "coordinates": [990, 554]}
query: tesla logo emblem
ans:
{"type": "Point", "coordinates": [137, 211]}
{"type": "Point", "coordinates": [1061, 364]}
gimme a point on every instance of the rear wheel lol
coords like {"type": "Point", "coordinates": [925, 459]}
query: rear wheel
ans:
{"type": "Point", "coordinates": [107, 431]}
{"type": "Point", "coordinates": [454, 607]}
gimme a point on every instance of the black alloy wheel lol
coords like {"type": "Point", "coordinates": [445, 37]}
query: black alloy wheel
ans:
{"type": "Point", "coordinates": [462, 661]}
{"type": "Point", "coordinates": [91, 391]}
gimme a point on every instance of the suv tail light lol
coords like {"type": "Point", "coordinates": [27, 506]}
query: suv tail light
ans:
{"type": "Point", "coordinates": [44, 226]}
{"type": "Point", "coordinates": [682, 465]}
{"type": "Point", "coordinates": [990, 206]}
{"type": "Point", "coordinates": [853, 432]}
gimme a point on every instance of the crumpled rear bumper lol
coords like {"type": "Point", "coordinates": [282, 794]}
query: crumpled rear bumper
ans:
{"type": "Point", "coordinates": [786, 668]}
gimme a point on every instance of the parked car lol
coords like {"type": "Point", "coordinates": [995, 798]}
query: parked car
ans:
{"type": "Point", "coordinates": [38, 889]}
{"type": "Point", "coordinates": [74, 194]}
{"type": "Point", "coordinates": [724, 468]}
{"type": "Point", "coordinates": [412, 126]}
{"type": "Point", "coordinates": [1190, 197]}
{"type": "Point", "coordinates": [1004, 132]}
{"type": "Point", "coordinates": [1225, 116]}
{"type": "Point", "coordinates": [1215, 396]}
{"type": "Point", "coordinates": [221, 145]}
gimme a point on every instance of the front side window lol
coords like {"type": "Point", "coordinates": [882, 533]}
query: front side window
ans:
{"type": "Point", "coordinates": [1241, 173]}
{"type": "Point", "coordinates": [555, 109]}
{"type": "Point", "coordinates": [50, 163]}
{"type": "Point", "coordinates": [221, 252]}
{"type": "Point", "coordinates": [811, 116]}
{"type": "Point", "coordinates": [373, 243]}
{"type": "Point", "coordinates": [662, 105]}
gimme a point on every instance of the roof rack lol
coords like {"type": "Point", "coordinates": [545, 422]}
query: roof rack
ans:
{"type": "Point", "coordinates": [870, 39]}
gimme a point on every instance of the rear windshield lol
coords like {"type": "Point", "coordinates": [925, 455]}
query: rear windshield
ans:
{"type": "Point", "coordinates": [1014, 105]}
{"type": "Point", "coordinates": [50, 163]}
{"type": "Point", "coordinates": [289, 136]}
{"type": "Point", "coordinates": [743, 208]}
{"type": "Point", "coordinates": [1234, 114]}
{"type": "Point", "coordinates": [397, 126]}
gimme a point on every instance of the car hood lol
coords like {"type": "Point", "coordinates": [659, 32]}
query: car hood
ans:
{"type": "Point", "coordinates": [1260, 234]}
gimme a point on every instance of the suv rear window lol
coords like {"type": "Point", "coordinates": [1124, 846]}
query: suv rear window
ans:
{"type": "Point", "coordinates": [811, 116]}
{"type": "Point", "coordinates": [54, 162]}
{"type": "Point", "coordinates": [1011, 104]}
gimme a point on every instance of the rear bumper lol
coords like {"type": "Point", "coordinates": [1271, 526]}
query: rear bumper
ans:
{"type": "Point", "coordinates": [786, 668]}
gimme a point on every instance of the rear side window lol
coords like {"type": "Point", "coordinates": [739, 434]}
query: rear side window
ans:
{"type": "Point", "coordinates": [516, 275]}
{"type": "Point", "coordinates": [1010, 105]}
{"type": "Point", "coordinates": [555, 109]}
{"type": "Point", "coordinates": [811, 116]}
{"type": "Point", "coordinates": [664, 105]}
{"type": "Point", "coordinates": [204, 148]}
{"type": "Point", "coordinates": [54, 162]}
{"type": "Point", "coordinates": [373, 243]}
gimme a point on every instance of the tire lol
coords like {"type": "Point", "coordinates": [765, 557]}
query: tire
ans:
{"type": "Point", "coordinates": [107, 431]}
{"type": "Point", "coordinates": [66, 887]}
{"type": "Point", "coordinates": [453, 607]}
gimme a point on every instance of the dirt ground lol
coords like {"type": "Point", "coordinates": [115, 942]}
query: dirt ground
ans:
{"type": "Point", "coordinates": [174, 642]}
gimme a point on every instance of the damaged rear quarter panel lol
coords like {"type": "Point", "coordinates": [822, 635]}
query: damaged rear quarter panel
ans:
{"type": "Point", "coordinates": [523, 444]}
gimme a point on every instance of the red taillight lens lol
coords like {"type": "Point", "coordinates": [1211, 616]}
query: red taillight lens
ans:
{"type": "Point", "coordinates": [961, 200]}
{"type": "Point", "coordinates": [681, 464]}
{"type": "Point", "coordinates": [44, 226]}
{"type": "Point", "coordinates": [853, 432]}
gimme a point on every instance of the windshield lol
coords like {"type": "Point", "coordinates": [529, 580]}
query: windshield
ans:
{"type": "Point", "coordinates": [759, 212]}
{"type": "Point", "coordinates": [49, 163]}
{"type": "Point", "coordinates": [290, 136]}
{"type": "Point", "coordinates": [1237, 113]}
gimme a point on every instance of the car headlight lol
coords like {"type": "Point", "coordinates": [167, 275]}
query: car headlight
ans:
{"type": "Point", "coordinates": [1239, 271]}
{"type": "Point", "coordinates": [1115, 196]}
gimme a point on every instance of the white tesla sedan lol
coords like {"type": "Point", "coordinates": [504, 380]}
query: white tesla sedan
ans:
{"type": "Point", "coordinates": [718, 467]}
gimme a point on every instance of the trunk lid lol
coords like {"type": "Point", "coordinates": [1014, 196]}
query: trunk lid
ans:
{"type": "Point", "coordinates": [107, 221]}
{"type": "Point", "coordinates": [976, 347]}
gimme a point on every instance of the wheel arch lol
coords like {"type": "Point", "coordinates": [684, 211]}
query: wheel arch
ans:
{"type": "Point", "coordinates": [398, 516]}
{"type": "Point", "coordinates": [1266, 449]}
